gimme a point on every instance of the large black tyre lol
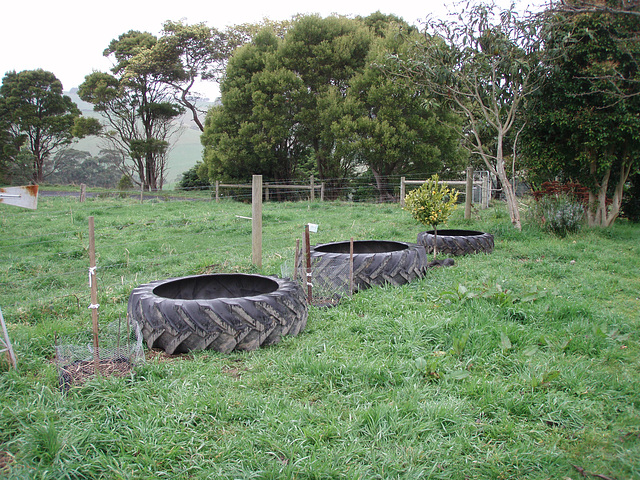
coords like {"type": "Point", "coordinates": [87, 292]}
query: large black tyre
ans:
{"type": "Point", "coordinates": [221, 312]}
{"type": "Point", "coordinates": [457, 242]}
{"type": "Point", "coordinates": [375, 263]}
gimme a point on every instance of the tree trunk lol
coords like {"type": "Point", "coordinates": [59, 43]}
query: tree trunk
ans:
{"type": "Point", "coordinates": [598, 213]}
{"type": "Point", "coordinates": [384, 190]}
{"type": "Point", "coordinates": [507, 187]}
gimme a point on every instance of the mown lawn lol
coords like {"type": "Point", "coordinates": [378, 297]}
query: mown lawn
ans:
{"type": "Point", "coordinates": [520, 364]}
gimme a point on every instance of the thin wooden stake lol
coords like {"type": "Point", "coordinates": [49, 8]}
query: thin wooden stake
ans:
{"type": "Point", "coordinates": [93, 284]}
{"type": "Point", "coordinates": [308, 255]}
{"type": "Point", "coordinates": [351, 266]}
{"type": "Point", "coordinates": [296, 258]}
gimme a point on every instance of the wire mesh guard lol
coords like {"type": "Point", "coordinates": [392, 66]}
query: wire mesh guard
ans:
{"type": "Point", "coordinates": [328, 280]}
{"type": "Point", "coordinates": [119, 350]}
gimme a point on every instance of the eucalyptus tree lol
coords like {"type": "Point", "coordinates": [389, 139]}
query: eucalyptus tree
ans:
{"type": "Point", "coordinates": [583, 124]}
{"type": "Point", "coordinates": [35, 118]}
{"type": "Point", "coordinates": [185, 54]}
{"type": "Point", "coordinates": [137, 106]}
{"type": "Point", "coordinates": [483, 66]}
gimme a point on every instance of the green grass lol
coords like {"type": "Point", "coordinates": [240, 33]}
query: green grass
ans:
{"type": "Point", "coordinates": [519, 364]}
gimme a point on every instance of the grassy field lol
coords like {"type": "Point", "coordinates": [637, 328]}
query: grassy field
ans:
{"type": "Point", "coordinates": [520, 364]}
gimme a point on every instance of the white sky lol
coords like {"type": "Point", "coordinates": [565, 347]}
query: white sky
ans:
{"type": "Point", "coordinates": [68, 38]}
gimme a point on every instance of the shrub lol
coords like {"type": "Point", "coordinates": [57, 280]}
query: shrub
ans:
{"type": "Point", "coordinates": [125, 183]}
{"type": "Point", "coordinates": [560, 214]}
{"type": "Point", "coordinates": [431, 204]}
{"type": "Point", "coordinates": [191, 180]}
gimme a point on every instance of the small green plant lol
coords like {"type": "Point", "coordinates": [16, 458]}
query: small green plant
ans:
{"type": "Point", "coordinates": [460, 294]}
{"type": "Point", "coordinates": [460, 343]}
{"type": "Point", "coordinates": [432, 204]}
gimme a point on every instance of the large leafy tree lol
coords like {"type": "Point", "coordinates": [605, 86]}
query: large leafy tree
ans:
{"type": "Point", "coordinates": [35, 117]}
{"type": "Point", "coordinates": [316, 98]}
{"type": "Point", "coordinates": [137, 105]}
{"type": "Point", "coordinates": [583, 125]}
{"type": "Point", "coordinates": [483, 66]}
{"type": "Point", "coordinates": [255, 130]}
{"type": "Point", "coordinates": [325, 53]}
{"type": "Point", "coordinates": [389, 126]}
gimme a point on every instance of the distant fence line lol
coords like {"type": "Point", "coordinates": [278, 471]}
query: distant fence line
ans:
{"type": "Point", "coordinates": [473, 189]}
{"type": "Point", "coordinates": [477, 189]}
{"type": "Point", "coordinates": [266, 187]}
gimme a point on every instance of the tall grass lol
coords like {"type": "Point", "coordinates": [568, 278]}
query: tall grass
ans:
{"type": "Point", "coordinates": [519, 364]}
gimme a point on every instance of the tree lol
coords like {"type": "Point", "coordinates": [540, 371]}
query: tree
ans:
{"type": "Point", "coordinates": [255, 131]}
{"type": "Point", "coordinates": [583, 124]}
{"type": "Point", "coordinates": [317, 97]}
{"type": "Point", "coordinates": [432, 204]}
{"type": "Point", "coordinates": [76, 167]}
{"type": "Point", "coordinates": [325, 53]}
{"type": "Point", "coordinates": [191, 180]}
{"type": "Point", "coordinates": [483, 66]}
{"type": "Point", "coordinates": [137, 106]}
{"type": "Point", "coordinates": [10, 145]}
{"type": "Point", "coordinates": [183, 55]}
{"type": "Point", "coordinates": [389, 125]}
{"type": "Point", "coordinates": [36, 117]}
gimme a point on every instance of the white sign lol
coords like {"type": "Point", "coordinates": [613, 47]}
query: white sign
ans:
{"type": "Point", "coordinates": [26, 197]}
{"type": "Point", "coordinates": [313, 227]}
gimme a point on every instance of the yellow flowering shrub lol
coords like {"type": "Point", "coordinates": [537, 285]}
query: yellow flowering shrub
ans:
{"type": "Point", "coordinates": [432, 203]}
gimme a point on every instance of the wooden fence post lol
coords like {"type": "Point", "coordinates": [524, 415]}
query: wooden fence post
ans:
{"type": "Point", "coordinates": [322, 192]}
{"type": "Point", "coordinates": [217, 190]}
{"type": "Point", "coordinates": [402, 191]}
{"type": "Point", "coordinates": [469, 194]}
{"type": "Point", "coordinates": [313, 190]}
{"type": "Point", "coordinates": [83, 192]}
{"type": "Point", "coordinates": [256, 221]}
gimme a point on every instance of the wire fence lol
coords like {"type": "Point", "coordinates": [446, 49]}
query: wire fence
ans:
{"type": "Point", "coordinates": [358, 189]}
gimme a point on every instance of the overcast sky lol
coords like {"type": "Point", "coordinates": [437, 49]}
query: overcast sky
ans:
{"type": "Point", "coordinates": [68, 37]}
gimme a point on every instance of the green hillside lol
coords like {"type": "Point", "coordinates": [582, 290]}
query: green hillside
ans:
{"type": "Point", "coordinates": [183, 155]}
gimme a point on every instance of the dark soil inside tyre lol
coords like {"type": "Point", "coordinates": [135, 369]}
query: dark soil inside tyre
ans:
{"type": "Point", "coordinates": [362, 246]}
{"type": "Point", "coordinates": [457, 242]}
{"type": "Point", "coordinates": [216, 286]}
{"type": "Point", "coordinates": [221, 312]}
